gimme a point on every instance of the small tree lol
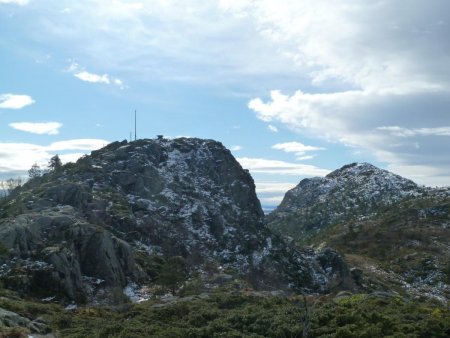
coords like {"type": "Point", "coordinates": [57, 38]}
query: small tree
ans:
{"type": "Point", "coordinates": [35, 171]}
{"type": "Point", "coordinates": [173, 273]}
{"type": "Point", "coordinates": [55, 163]}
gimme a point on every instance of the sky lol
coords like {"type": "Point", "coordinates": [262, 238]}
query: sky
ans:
{"type": "Point", "coordinates": [294, 88]}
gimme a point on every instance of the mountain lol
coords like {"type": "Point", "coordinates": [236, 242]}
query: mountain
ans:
{"type": "Point", "coordinates": [136, 220]}
{"type": "Point", "coordinates": [143, 213]}
{"type": "Point", "coordinates": [354, 191]}
{"type": "Point", "coordinates": [393, 233]}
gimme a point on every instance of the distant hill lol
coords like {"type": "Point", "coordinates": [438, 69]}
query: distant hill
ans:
{"type": "Point", "coordinates": [393, 230]}
{"type": "Point", "coordinates": [356, 190]}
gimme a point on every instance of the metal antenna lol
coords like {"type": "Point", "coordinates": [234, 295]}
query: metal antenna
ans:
{"type": "Point", "coordinates": [135, 136]}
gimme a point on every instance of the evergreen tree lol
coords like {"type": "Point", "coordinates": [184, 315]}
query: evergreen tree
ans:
{"type": "Point", "coordinates": [173, 273]}
{"type": "Point", "coordinates": [55, 163]}
{"type": "Point", "coordinates": [35, 171]}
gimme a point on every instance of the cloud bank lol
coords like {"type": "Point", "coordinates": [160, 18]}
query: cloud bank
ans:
{"type": "Point", "coordinates": [17, 158]}
{"type": "Point", "coordinates": [389, 70]}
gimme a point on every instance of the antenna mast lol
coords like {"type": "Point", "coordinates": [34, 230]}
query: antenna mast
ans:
{"type": "Point", "coordinates": [135, 125]}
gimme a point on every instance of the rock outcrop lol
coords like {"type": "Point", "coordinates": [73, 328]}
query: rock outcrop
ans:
{"type": "Point", "coordinates": [356, 190]}
{"type": "Point", "coordinates": [394, 233]}
{"type": "Point", "coordinates": [108, 220]}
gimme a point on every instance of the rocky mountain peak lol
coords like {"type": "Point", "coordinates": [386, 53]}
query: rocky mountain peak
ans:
{"type": "Point", "coordinates": [356, 168]}
{"type": "Point", "coordinates": [116, 215]}
{"type": "Point", "coordinates": [355, 190]}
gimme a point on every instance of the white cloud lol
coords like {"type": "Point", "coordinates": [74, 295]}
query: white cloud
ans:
{"type": "Point", "coordinates": [388, 68]}
{"type": "Point", "coordinates": [331, 40]}
{"type": "Point", "coordinates": [94, 78]}
{"type": "Point", "coordinates": [77, 144]}
{"type": "Point", "coordinates": [271, 193]}
{"type": "Point", "coordinates": [271, 176]}
{"type": "Point", "coordinates": [298, 148]}
{"type": "Point", "coordinates": [273, 187]}
{"type": "Point", "coordinates": [272, 128]}
{"type": "Point", "coordinates": [236, 148]}
{"type": "Point", "coordinates": [360, 65]}
{"type": "Point", "coordinates": [15, 2]}
{"type": "Point", "coordinates": [91, 77]}
{"type": "Point", "coordinates": [17, 158]}
{"type": "Point", "coordinates": [191, 41]}
{"type": "Point", "coordinates": [306, 157]}
{"type": "Point", "coordinates": [86, 76]}
{"type": "Point", "coordinates": [71, 157]}
{"type": "Point", "coordinates": [261, 165]}
{"type": "Point", "coordinates": [14, 101]}
{"type": "Point", "coordinates": [354, 119]}
{"type": "Point", "coordinates": [422, 173]}
{"type": "Point", "coordinates": [49, 128]}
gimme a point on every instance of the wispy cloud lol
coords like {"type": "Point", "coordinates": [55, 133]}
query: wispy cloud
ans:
{"type": "Point", "coordinates": [272, 128]}
{"type": "Point", "coordinates": [15, 101]}
{"type": "Point", "coordinates": [261, 165]}
{"type": "Point", "coordinates": [165, 40]}
{"type": "Point", "coordinates": [49, 128]}
{"type": "Point", "coordinates": [236, 148]}
{"type": "Point", "coordinates": [91, 77]}
{"type": "Point", "coordinates": [86, 76]}
{"type": "Point", "coordinates": [406, 132]}
{"type": "Point", "coordinates": [298, 148]}
{"type": "Point", "coordinates": [15, 2]}
{"type": "Point", "coordinates": [306, 157]}
{"type": "Point", "coordinates": [77, 144]}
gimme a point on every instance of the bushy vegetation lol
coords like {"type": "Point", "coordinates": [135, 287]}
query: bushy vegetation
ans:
{"type": "Point", "coordinates": [246, 315]}
{"type": "Point", "coordinates": [409, 237]}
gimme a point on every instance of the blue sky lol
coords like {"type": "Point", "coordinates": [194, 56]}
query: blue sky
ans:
{"type": "Point", "coordinates": [294, 88]}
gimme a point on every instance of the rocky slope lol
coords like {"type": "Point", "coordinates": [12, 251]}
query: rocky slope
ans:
{"type": "Point", "coordinates": [394, 234]}
{"type": "Point", "coordinates": [116, 217]}
{"type": "Point", "coordinates": [354, 191]}
{"type": "Point", "coordinates": [405, 247]}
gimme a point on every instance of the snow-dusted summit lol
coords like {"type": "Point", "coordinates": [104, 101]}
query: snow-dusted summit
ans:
{"type": "Point", "coordinates": [353, 191]}
{"type": "Point", "coordinates": [119, 215]}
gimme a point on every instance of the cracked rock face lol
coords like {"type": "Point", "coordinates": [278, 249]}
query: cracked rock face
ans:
{"type": "Point", "coordinates": [87, 222]}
